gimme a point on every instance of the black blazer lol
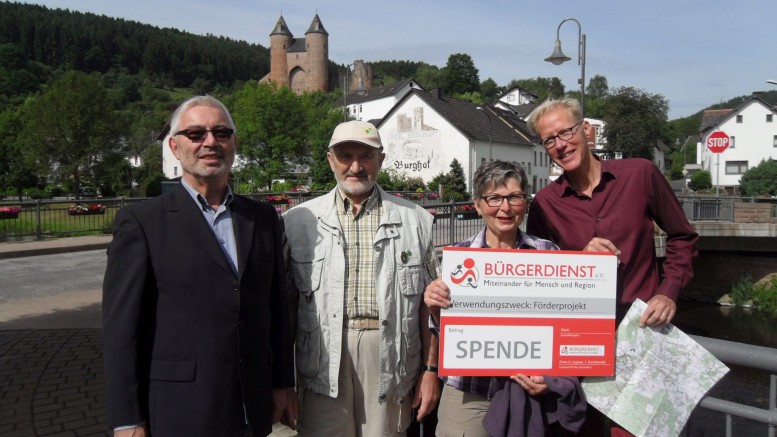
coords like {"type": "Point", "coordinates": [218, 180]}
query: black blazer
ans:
{"type": "Point", "coordinates": [186, 342]}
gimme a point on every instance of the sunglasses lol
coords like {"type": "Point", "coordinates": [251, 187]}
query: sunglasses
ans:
{"type": "Point", "coordinates": [199, 134]}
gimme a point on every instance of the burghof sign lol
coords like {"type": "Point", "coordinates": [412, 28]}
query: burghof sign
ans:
{"type": "Point", "coordinates": [718, 141]}
{"type": "Point", "coordinates": [532, 312]}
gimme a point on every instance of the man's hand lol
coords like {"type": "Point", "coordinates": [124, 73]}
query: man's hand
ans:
{"type": "Point", "coordinates": [138, 431]}
{"type": "Point", "coordinates": [279, 401]}
{"type": "Point", "coordinates": [602, 245]}
{"type": "Point", "coordinates": [427, 393]}
{"type": "Point", "coordinates": [659, 312]}
{"type": "Point", "coordinates": [291, 413]}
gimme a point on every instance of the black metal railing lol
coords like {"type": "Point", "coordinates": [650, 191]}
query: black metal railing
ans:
{"type": "Point", "coordinates": [41, 219]}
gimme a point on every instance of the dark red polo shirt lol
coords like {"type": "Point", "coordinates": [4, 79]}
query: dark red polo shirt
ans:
{"type": "Point", "coordinates": [631, 195]}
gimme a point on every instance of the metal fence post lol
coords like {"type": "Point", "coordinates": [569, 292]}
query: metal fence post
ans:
{"type": "Point", "coordinates": [772, 401]}
{"type": "Point", "coordinates": [38, 232]}
{"type": "Point", "coordinates": [452, 222]}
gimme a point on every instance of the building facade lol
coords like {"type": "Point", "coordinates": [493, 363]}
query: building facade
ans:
{"type": "Point", "coordinates": [300, 64]}
{"type": "Point", "coordinates": [425, 131]}
{"type": "Point", "coordinates": [752, 132]}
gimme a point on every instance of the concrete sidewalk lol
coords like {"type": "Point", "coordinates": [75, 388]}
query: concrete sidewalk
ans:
{"type": "Point", "coordinates": [19, 249]}
{"type": "Point", "coordinates": [51, 370]}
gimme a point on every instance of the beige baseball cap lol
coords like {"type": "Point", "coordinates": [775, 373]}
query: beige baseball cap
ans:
{"type": "Point", "coordinates": [356, 132]}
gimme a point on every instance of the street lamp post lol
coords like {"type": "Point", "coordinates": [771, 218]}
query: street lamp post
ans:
{"type": "Point", "coordinates": [490, 133]}
{"type": "Point", "coordinates": [558, 57]}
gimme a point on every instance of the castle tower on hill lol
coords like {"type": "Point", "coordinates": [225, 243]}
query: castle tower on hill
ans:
{"type": "Point", "coordinates": [300, 64]}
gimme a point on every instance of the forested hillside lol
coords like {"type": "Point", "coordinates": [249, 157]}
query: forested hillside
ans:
{"type": "Point", "coordinates": [63, 39]}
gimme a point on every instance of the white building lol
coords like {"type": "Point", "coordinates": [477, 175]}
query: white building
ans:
{"type": "Point", "coordinates": [752, 132]}
{"type": "Point", "coordinates": [374, 103]}
{"type": "Point", "coordinates": [424, 132]}
{"type": "Point", "coordinates": [171, 166]}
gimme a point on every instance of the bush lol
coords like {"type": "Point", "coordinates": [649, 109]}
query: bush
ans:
{"type": "Point", "coordinates": [152, 186]}
{"type": "Point", "coordinates": [760, 180]}
{"type": "Point", "coordinates": [701, 180]}
{"type": "Point", "coordinates": [765, 296]}
{"type": "Point", "coordinates": [742, 291]}
{"type": "Point", "coordinates": [390, 180]}
{"type": "Point", "coordinates": [279, 187]}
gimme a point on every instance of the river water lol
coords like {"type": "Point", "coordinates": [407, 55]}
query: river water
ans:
{"type": "Point", "coordinates": [742, 385]}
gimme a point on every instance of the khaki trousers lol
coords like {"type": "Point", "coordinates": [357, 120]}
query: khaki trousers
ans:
{"type": "Point", "coordinates": [356, 411]}
{"type": "Point", "coordinates": [461, 414]}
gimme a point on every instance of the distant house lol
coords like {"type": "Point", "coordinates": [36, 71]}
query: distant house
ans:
{"type": "Point", "coordinates": [752, 131]}
{"type": "Point", "coordinates": [374, 103]}
{"type": "Point", "coordinates": [425, 131]}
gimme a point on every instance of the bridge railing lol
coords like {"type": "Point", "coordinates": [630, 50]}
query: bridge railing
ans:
{"type": "Point", "coordinates": [39, 219]}
{"type": "Point", "coordinates": [708, 208]}
{"type": "Point", "coordinates": [754, 357]}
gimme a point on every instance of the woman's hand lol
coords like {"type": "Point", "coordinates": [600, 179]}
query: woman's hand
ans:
{"type": "Point", "coordinates": [534, 385]}
{"type": "Point", "coordinates": [436, 296]}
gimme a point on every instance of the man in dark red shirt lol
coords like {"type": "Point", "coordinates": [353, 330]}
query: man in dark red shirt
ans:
{"type": "Point", "coordinates": [611, 206]}
{"type": "Point", "coordinates": [603, 206]}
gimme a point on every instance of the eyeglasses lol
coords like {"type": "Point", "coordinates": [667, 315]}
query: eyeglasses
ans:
{"type": "Point", "coordinates": [565, 134]}
{"type": "Point", "coordinates": [512, 199]}
{"type": "Point", "coordinates": [198, 134]}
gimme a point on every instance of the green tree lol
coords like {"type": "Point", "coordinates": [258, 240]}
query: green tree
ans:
{"type": "Point", "coordinates": [323, 117]}
{"type": "Point", "coordinates": [489, 90]}
{"type": "Point", "coordinates": [430, 77]}
{"type": "Point", "coordinates": [461, 75]}
{"type": "Point", "coordinates": [453, 183]}
{"type": "Point", "coordinates": [701, 180]}
{"type": "Point", "coordinates": [633, 120]}
{"type": "Point", "coordinates": [542, 87]}
{"type": "Point", "coordinates": [597, 88]}
{"type": "Point", "coordinates": [73, 126]}
{"type": "Point", "coordinates": [760, 180]}
{"type": "Point", "coordinates": [19, 169]}
{"type": "Point", "coordinates": [272, 131]}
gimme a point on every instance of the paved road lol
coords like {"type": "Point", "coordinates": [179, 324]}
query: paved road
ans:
{"type": "Point", "coordinates": [51, 376]}
{"type": "Point", "coordinates": [53, 285]}
{"type": "Point", "coordinates": [51, 274]}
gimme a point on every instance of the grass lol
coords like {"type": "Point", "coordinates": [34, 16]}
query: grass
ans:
{"type": "Point", "coordinates": [742, 291]}
{"type": "Point", "coordinates": [763, 294]}
{"type": "Point", "coordinates": [55, 222]}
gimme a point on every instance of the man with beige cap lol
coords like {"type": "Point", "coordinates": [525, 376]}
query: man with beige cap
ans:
{"type": "Point", "coordinates": [358, 261]}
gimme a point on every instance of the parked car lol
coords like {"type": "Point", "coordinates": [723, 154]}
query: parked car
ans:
{"type": "Point", "coordinates": [87, 192]}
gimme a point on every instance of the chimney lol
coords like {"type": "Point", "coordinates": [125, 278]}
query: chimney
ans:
{"type": "Point", "coordinates": [437, 93]}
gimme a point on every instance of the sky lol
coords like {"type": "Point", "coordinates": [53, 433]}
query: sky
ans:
{"type": "Point", "coordinates": [694, 53]}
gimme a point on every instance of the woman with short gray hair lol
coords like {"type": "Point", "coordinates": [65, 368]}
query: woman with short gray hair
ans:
{"type": "Point", "coordinates": [501, 198]}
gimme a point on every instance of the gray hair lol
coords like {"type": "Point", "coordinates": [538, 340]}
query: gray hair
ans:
{"type": "Point", "coordinates": [569, 104]}
{"type": "Point", "coordinates": [210, 101]}
{"type": "Point", "coordinates": [496, 173]}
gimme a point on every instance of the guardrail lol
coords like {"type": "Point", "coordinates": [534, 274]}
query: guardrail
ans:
{"type": "Point", "coordinates": [39, 219]}
{"type": "Point", "coordinates": [755, 357]}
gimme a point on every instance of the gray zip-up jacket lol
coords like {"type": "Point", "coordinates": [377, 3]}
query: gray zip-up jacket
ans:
{"type": "Point", "coordinates": [315, 249]}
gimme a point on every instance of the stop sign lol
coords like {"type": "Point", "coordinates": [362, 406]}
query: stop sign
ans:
{"type": "Point", "coordinates": [718, 141]}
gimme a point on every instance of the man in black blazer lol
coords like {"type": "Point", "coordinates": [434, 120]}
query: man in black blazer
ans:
{"type": "Point", "coordinates": [196, 338]}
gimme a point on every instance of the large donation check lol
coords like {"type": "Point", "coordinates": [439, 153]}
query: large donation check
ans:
{"type": "Point", "coordinates": [528, 311]}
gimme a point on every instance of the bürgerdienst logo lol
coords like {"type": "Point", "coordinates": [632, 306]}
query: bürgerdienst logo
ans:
{"type": "Point", "coordinates": [466, 274]}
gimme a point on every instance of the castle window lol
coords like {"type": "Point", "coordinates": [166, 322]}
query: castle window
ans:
{"type": "Point", "coordinates": [739, 119]}
{"type": "Point", "coordinates": [768, 118]}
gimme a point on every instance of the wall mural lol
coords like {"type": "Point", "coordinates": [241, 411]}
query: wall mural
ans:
{"type": "Point", "coordinates": [415, 148]}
